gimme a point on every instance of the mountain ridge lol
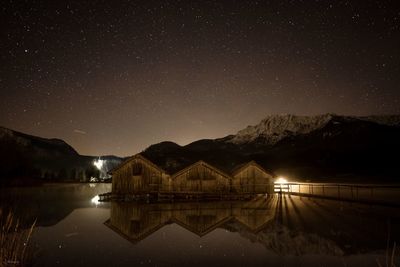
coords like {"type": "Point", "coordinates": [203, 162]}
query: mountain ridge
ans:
{"type": "Point", "coordinates": [305, 147]}
{"type": "Point", "coordinates": [276, 127]}
{"type": "Point", "coordinates": [302, 146]}
{"type": "Point", "coordinates": [25, 156]}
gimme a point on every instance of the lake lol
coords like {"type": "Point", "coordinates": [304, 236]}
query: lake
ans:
{"type": "Point", "coordinates": [74, 229]}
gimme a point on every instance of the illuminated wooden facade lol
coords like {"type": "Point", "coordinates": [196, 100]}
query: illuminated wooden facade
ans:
{"type": "Point", "coordinates": [201, 177]}
{"type": "Point", "coordinates": [252, 178]}
{"type": "Point", "coordinates": [138, 175]}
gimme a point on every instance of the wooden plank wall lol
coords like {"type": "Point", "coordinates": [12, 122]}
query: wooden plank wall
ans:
{"type": "Point", "coordinates": [138, 176]}
{"type": "Point", "coordinates": [141, 176]}
{"type": "Point", "coordinates": [252, 180]}
{"type": "Point", "coordinates": [201, 178]}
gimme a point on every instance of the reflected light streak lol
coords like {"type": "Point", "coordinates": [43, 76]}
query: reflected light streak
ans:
{"type": "Point", "coordinates": [96, 200]}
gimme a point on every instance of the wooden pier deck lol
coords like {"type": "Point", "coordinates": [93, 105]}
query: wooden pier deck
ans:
{"type": "Point", "coordinates": [176, 196]}
{"type": "Point", "coordinates": [388, 194]}
{"type": "Point", "coordinates": [382, 194]}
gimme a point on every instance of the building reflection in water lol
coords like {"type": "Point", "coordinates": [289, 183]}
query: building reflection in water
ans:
{"type": "Point", "coordinates": [283, 224]}
{"type": "Point", "coordinates": [136, 221]}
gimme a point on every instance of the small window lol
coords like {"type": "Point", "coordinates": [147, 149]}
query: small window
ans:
{"type": "Point", "coordinates": [137, 169]}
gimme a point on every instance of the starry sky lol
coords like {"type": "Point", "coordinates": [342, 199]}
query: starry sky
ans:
{"type": "Point", "coordinates": [113, 77]}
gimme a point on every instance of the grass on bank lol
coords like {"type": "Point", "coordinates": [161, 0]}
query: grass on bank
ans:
{"type": "Point", "coordinates": [14, 241]}
{"type": "Point", "coordinates": [390, 258]}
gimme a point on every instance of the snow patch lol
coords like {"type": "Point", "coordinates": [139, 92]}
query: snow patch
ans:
{"type": "Point", "coordinates": [276, 127]}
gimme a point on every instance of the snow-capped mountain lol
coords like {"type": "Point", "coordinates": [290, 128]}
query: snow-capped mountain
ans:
{"type": "Point", "coordinates": [306, 147]}
{"type": "Point", "coordinates": [274, 128]}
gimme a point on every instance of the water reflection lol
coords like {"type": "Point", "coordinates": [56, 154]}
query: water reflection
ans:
{"type": "Point", "coordinates": [136, 221]}
{"type": "Point", "coordinates": [275, 231]}
{"type": "Point", "coordinates": [48, 205]}
{"type": "Point", "coordinates": [283, 224]}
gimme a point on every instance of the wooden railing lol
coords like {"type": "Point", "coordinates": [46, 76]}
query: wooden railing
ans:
{"type": "Point", "coordinates": [374, 193]}
{"type": "Point", "coordinates": [369, 193]}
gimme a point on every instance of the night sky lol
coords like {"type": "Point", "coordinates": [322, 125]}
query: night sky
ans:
{"type": "Point", "coordinates": [113, 77]}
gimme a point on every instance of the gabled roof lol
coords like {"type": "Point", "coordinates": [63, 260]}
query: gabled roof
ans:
{"type": "Point", "coordinates": [139, 237]}
{"type": "Point", "coordinates": [198, 231]}
{"type": "Point", "coordinates": [241, 167]}
{"type": "Point", "coordinates": [137, 156]}
{"type": "Point", "coordinates": [200, 162]}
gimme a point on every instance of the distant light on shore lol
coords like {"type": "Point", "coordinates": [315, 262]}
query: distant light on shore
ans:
{"type": "Point", "coordinates": [98, 163]}
{"type": "Point", "coordinates": [96, 200]}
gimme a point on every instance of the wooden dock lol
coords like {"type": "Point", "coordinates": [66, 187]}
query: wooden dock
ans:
{"type": "Point", "coordinates": [388, 195]}
{"type": "Point", "coordinates": [176, 196]}
{"type": "Point", "coordinates": [382, 194]}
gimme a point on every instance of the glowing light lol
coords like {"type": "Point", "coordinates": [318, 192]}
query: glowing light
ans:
{"type": "Point", "coordinates": [98, 163]}
{"type": "Point", "coordinates": [281, 180]}
{"type": "Point", "coordinates": [96, 200]}
{"type": "Point", "coordinates": [281, 185]}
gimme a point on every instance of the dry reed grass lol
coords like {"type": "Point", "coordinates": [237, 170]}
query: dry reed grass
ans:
{"type": "Point", "coordinates": [390, 258]}
{"type": "Point", "coordinates": [14, 241]}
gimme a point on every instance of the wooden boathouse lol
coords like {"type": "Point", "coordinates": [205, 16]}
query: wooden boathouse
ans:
{"type": "Point", "coordinates": [138, 175]}
{"type": "Point", "coordinates": [138, 178]}
{"type": "Point", "coordinates": [252, 178]}
{"type": "Point", "coordinates": [201, 177]}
